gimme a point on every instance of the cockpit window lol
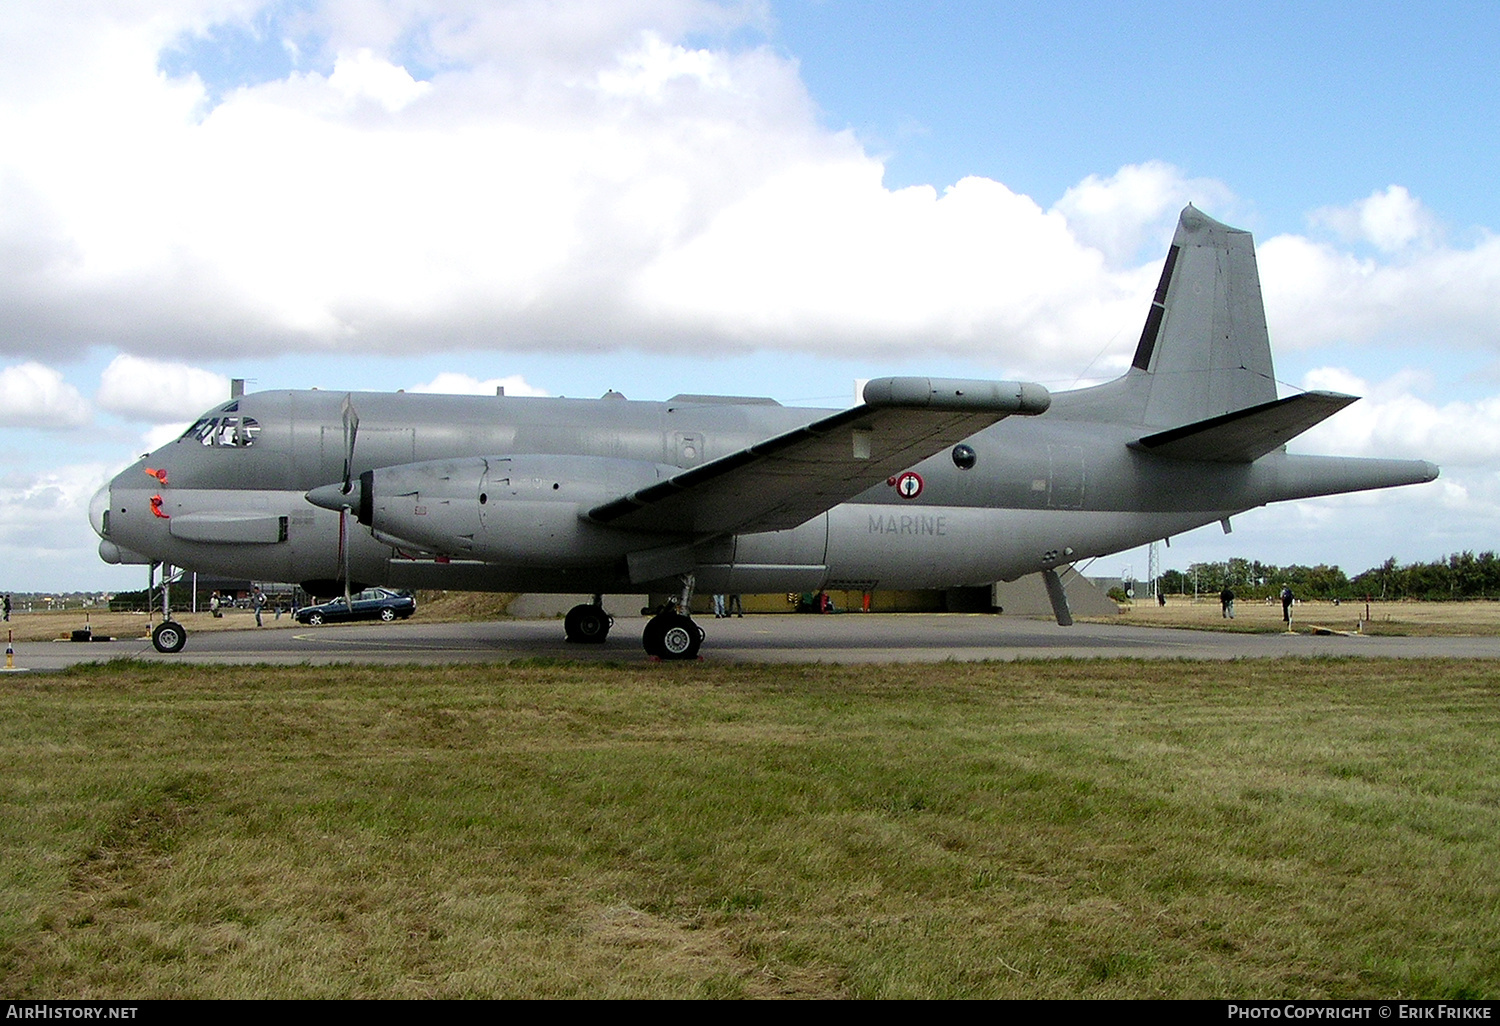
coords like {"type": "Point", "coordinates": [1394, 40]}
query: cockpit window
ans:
{"type": "Point", "coordinates": [229, 431]}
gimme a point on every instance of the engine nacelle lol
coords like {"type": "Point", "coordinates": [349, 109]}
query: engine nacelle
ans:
{"type": "Point", "coordinates": [521, 510]}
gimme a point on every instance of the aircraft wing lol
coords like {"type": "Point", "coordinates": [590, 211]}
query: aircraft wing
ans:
{"type": "Point", "coordinates": [786, 480]}
{"type": "Point", "coordinates": [1244, 436]}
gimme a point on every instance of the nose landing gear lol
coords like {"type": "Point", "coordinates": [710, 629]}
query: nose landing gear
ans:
{"type": "Point", "coordinates": [169, 636]}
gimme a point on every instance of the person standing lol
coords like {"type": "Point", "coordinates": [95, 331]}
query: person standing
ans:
{"type": "Point", "coordinates": [1286, 604]}
{"type": "Point", "coordinates": [718, 606]}
{"type": "Point", "coordinates": [259, 601]}
{"type": "Point", "coordinates": [1226, 603]}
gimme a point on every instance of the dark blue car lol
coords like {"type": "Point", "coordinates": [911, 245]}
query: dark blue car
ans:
{"type": "Point", "coordinates": [370, 604]}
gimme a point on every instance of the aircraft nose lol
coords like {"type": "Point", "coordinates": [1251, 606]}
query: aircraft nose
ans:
{"type": "Point", "coordinates": [98, 506]}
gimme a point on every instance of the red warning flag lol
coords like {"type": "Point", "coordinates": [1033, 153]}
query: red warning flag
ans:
{"type": "Point", "coordinates": [156, 508]}
{"type": "Point", "coordinates": [160, 475]}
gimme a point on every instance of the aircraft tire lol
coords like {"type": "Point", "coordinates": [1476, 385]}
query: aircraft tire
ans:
{"type": "Point", "coordinates": [587, 624]}
{"type": "Point", "coordinates": [680, 637]}
{"type": "Point", "coordinates": [651, 636]}
{"type": "Point", "coordinates": [169, 637]}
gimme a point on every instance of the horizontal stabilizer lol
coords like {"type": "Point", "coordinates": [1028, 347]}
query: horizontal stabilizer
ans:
{"type": "Point", "coordinates": [1245, 435]}
{"type": "Point", "coordinates": [784, 481]}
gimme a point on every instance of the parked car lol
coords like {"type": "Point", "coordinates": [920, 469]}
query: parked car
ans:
{"type": "Point", "coordinates": [370, 604]}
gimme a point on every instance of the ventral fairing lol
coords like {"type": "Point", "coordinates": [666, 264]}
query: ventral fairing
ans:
{"type": "Point", "coordinates": [927, 483]}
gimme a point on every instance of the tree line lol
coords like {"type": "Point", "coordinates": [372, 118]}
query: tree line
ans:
{"type": "Point", "coordinates": [1462, 575]}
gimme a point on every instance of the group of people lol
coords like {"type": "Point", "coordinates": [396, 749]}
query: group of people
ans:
{"type": "Point", "coordinates": [732, 608]}
{"type": "Point", "coordinates": [258, 602]}
{"type": "Point", "coordinates": [1226, 603]}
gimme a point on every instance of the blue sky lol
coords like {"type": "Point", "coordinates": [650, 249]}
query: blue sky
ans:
{"type": "Point", "coordinates": [1295, 105]}
{"type": "Point", "coordinates": [677, 195]}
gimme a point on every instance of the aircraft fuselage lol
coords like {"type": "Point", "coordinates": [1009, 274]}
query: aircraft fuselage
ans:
{"type": "Point", "coordinates": [1041, 492]}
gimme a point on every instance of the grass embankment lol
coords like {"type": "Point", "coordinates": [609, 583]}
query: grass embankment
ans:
{"type": "Point", "coordinates": [1265, 828]}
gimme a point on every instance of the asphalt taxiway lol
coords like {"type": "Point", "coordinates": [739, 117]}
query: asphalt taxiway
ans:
{"type": "Point", "coordinates": [848, 638]}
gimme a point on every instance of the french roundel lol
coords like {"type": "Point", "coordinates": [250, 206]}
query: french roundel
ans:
{"type": "Point", "coordinates": [909, 485]}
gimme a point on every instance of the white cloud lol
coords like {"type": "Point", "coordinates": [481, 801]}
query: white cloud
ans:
{"type": "Point", "coordinates": [453, 383]}
{"type": "Point", "coordinates": [1392, 421]}
{"type": "Point", "coordinates": [572, 177]}
{"type": "Point", "coordinates": [158, 391]}
{"type": "Point", "coordinates": [1439, 295]}
{"type": "Point", "coordinates": [1136, 206]}
{"type": "Point", "coordinates": [160, 434]}
{"type": "Point", "coordinates": [1389, 220]}
{"type": "Point", "coordinates": [44, 520]}
{"type": "Point", "coordinates": [34, 395]}
{"type": "Point", "coordinates": [365, 76]}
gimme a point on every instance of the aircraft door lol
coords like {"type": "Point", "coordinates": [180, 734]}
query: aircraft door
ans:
{"type": "Point", "coordinates": [1066, 477]}
{"type": "Point", "coordinates": [494, 483]}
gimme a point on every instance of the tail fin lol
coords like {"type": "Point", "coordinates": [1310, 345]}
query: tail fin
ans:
{"type": "Point", "coordinates": [1204, 351]}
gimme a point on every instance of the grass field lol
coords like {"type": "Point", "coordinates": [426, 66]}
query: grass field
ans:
{"type": "Point", "coordinates": [1411, 619]}
{"type": "Point", "coordinates": [1098, 829]}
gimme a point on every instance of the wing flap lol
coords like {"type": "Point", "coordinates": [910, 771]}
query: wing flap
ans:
{"type": "Point", "coordinates": [784, 481]}
{"type": "Point", "coordinates": [1245, 435]}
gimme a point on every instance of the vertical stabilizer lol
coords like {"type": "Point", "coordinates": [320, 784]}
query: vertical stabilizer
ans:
{"type": "Point", "coordinates": [1204, 348]}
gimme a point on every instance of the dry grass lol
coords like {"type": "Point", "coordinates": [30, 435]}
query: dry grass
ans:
{"type": "Point", "coordinates": [1104, 829]}
{"type": "Point", "coordinates": [1413, 619]}
{"type": "Point", "coordinates": [438, 607]}
{"type": "Point", "coordinates": [61, 623]}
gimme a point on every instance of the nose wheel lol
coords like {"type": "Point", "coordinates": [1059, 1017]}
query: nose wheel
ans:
{"type": "Point", "coordinates": [169, 636]}
{"type": "Point", "coordinates": [672, 636]}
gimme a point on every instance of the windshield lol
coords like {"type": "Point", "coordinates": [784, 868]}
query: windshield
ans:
{"type": "Point", "coordinates": [223, 427]}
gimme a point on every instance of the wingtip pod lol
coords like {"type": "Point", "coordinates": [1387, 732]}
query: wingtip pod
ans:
{"type": "Point", "coordinates": [1014, 397]}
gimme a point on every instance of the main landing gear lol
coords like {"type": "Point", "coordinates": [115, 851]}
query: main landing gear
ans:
{"type": "Point", "coordinates": [671, 633]}
{"type": "Point", "coordinates": [588, 624]}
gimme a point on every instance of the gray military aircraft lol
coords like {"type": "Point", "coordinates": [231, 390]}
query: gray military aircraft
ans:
{"type": "Point", "coordinates": [926, 484]}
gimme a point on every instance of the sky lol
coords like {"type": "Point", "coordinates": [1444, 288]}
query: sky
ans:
{"type": "Point", "coordinates": [765, 197]}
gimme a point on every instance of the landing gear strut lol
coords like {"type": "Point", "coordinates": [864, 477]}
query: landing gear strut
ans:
{"type": "Point", "coordinates": [169, 636]}
{"type": "Point", "coordinates": [671, 634]}
{"type": "Point", "coordinates": [588, 624]}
